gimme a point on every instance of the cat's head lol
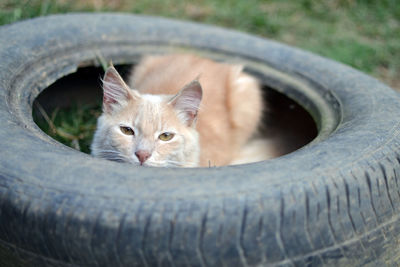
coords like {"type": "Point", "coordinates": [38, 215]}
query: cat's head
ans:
{"type": "Point", "coordinates": [144, 129]}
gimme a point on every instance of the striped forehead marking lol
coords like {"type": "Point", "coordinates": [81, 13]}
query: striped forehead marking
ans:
{"type": "Point", "coordinates": [149, 117]}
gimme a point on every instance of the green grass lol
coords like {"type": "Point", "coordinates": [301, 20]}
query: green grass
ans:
{"type": "Point", "coordinates": [364, 34]}
{"type": "Point", "coordinates": [72, 126]}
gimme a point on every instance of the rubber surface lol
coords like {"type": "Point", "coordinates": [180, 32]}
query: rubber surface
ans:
{"type": "Point", "coordinates": [334, 202]}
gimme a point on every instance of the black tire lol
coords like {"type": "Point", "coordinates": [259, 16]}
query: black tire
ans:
{"type": "Point", "coordinates": [335, 201]}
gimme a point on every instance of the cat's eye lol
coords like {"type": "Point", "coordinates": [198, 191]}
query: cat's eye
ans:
{"type": "Point", "coordinates": [127, 130]}
{"type": "Point", "coordinates": [166, 136]}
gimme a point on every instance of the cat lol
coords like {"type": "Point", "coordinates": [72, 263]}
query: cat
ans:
{"type": "Point", "coordinates": [181, 110]}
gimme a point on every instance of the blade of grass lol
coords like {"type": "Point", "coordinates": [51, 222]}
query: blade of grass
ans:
{"type": "Point", "coordinates": [102, 61]}
{"type": "Point", "coordinates": [46, 118]}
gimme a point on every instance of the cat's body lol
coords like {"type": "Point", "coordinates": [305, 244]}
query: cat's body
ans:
{"type": "Point", "coordinates": [210, 134]}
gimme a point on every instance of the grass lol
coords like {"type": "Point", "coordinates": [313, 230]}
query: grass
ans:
{"type": "Point", "coordinates": [364, 34]}
{"type": "Point", "coordinates": [72, 126]}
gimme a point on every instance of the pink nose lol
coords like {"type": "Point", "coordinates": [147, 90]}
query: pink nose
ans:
{"type": "Point", "coordinates": [142, 155]}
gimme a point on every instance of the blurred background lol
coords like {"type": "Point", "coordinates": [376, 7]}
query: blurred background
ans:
{"type": "Point", "coordinates": [364, 34]}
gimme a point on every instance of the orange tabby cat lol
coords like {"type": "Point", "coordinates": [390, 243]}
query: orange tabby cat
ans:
{"type": "Point", "coordinates": [182, 110]}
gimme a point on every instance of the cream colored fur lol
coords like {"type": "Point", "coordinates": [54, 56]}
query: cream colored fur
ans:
{"type": "Point", "coordinates": [229, 113]}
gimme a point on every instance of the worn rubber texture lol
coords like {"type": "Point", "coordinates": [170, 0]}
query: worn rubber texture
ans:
{"type": "Point", "coordinates": [334, 202]}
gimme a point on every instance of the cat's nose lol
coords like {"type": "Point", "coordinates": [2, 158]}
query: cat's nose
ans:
{"type": "Point", "coordinates": [142, 155]}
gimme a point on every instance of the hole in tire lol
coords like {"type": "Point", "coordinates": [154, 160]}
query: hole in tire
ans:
{"type": "Point", "coordinates": [68, 110]}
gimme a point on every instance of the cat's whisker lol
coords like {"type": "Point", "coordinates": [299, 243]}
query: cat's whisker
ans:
{"type": "Point", "coordinates": [113, 155]}
{"type": "Point", "coordinates": [109, 151]}
{"type": "Point", "coordinates": [174, 163]}
{"type": "Point", "coordinates": [164, 163]}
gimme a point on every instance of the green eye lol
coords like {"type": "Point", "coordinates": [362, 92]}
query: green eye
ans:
{"type": "Point", "coordinates": [126, 130]}
{"type": "Point", "coordinates": [166, 136]}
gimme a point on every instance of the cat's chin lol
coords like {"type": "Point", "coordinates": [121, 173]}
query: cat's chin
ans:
{"type": "Point", "coordinates": [151, 163]}
{"type": "Point", "coordinates": [156, 164]}
{"type": "Point", "coordinates": [161, 164]}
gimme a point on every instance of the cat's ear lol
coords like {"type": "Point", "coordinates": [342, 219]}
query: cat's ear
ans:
{"type": "Point", "coordinates": [115, 91]}
{"type": "Point", "coordinates": [187, 102]}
